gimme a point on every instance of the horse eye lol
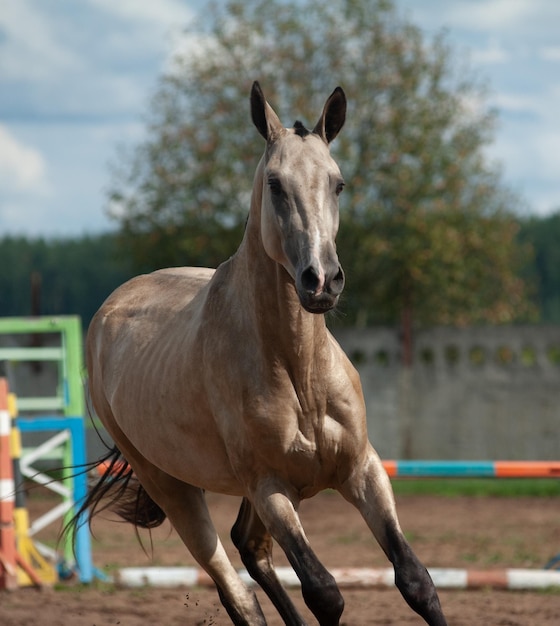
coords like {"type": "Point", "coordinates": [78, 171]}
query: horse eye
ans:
{"type": "Point", "coordinates": [275, 186]}
{"type": "Point", "coordinates": [339, 188]}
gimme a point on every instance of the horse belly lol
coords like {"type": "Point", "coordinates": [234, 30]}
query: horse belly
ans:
{"type": "Point", "coordinates": [168, 423]}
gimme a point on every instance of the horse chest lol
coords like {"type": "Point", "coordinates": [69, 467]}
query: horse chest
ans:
{"type": "Point", "coordinates": [298, 440]}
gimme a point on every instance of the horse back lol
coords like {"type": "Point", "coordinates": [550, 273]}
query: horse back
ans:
{"type": "Point", "coordinates": [156, 296]}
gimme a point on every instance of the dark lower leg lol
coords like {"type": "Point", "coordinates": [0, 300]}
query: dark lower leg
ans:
{"type": "Point", "coordinates": [319, 588]}
{"type": "Point", "coordinates": [415, 583]}
{"type": "Point", "coordinates": [321, 594]}
{"type": "Point", "coordinates": [255, 548]}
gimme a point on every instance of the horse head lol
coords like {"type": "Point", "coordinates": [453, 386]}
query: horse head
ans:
{"type": "Point", "coordinates": [299, 204]}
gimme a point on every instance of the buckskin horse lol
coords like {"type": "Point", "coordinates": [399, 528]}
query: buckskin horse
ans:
{"type": "Point", "coordinates": [229, 381]}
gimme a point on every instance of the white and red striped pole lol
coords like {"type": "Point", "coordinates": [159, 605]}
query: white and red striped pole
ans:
{"type": "Point", "coordinates": [8, 556]}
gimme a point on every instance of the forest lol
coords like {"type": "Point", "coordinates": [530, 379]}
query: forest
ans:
{"type": "Point", "coordinates": [74, 276]}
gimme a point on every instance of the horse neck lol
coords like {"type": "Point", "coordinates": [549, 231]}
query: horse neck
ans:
{"type": "Point", "coordinates": [283, 325]}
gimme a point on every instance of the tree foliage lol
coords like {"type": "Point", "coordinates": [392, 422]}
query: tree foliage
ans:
{"type": "Point", "coordinates": [426, 225]}
{"type": "Point", "coordinates": [77, 274]}
{"type": "Point", "coordinates": [542, 235]}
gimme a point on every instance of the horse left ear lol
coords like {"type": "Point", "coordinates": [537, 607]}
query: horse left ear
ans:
{"type": "Point", "coordinates": [333, 116]}
{"type": "Point", "coordinates": [264, 118]}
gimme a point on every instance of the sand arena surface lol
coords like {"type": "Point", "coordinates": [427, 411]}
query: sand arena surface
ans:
{"type": "Point", "coordinates": [462, 532]}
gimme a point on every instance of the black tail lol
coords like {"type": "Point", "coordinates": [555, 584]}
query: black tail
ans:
{"type": "Point", "coordinates": [118, 489]}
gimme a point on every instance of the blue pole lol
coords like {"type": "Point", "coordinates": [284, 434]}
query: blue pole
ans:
{"type": "Point", "coordinates": [82, 538]}
{"type": "Point", "coordinates": [78, 455]}
{"type": "Point", "coordinates": [464, 469]}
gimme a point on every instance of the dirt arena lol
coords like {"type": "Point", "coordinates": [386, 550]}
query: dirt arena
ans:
{"type": "Point", "coordinates": [462, 532]}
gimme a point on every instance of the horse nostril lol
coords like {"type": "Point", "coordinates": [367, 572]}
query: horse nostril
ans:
{"type": "Point", "coordinates": [336, 285]}
{"type": "Point", "coordinates": [310, 279]}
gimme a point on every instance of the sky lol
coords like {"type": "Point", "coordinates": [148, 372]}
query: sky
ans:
{"type": "Point", "coordinates": [77, 76]}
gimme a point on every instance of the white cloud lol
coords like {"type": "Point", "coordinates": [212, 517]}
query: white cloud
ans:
{"type": "Point", "coordinates": [546, 147]}
{"type": "Point", "coordinates": [76, 76]}
{"type": "Point", "coordinates": [517, 23]}
{"type": "Point", "coordinates": [166, 13]}
{"type": "Point", "coordinates": [550, 53]}
{"type": "Point", "coordinates": [92, 59]}
{"type": "Point", "coordinates": [493, 53]}
{"type": "Point", "coordinates": [161, 23]}
{"type": "Point", "coordinates": [31, 49]}
{"type": "Point", "coordinates": [517, 103]}
{"type": "Point", "coordinates": [490, 15]}
{"type": "Point", "coordinates": [22, 168]}
{"type": "Point", "coordinates": [530, 18]}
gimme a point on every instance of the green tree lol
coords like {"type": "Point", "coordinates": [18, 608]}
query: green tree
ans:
{"type": "Point", "coordinates": [542, 234]}
{"type": "Point", "coordinates": [58, 276]}
{"type": "Point", "coordinates": [427, 229]}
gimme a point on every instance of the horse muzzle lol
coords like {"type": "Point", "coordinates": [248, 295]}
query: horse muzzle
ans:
{"type": "Point", "coordinates": [318, 290]}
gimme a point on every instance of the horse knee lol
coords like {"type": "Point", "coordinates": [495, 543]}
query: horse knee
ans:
{"type": "Point", "coordinates": [323, 597]}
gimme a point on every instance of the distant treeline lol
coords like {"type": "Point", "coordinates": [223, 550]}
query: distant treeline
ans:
{"type": "Point", "coordinates": [74, 276]}
{"type": "Point", "coordinates": [59, 276]}
{"type": "Point", "coordinates": [542, 271]}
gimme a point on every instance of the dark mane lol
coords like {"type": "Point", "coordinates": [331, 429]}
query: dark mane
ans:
{"type": "Point", "coordinates": [300, 129]}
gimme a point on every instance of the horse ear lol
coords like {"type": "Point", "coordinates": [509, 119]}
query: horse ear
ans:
{"type": "Point", "coordinates": [264, 118]}
{"type": "Point", "coordinates": [333, 116]}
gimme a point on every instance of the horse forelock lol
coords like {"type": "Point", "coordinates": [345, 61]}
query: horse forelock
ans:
{"type": "Point", "coordinates": [300, 129]}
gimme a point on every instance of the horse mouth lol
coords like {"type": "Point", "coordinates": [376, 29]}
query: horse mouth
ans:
{"type": "Point", "coordinates": [322, 303]}
{"type": "Point", "coordinates": [318, 291]}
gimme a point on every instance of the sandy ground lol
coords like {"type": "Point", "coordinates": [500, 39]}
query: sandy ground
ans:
{"type": "Point", "coordinates": [463, 532]}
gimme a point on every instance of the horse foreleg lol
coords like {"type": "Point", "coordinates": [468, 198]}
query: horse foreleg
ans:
{"type": "Point", "coordinates": [369, 489]}
{"type": "Point", "coordinates": [255, 548]}
{"type": "Point", "coordinates": [318, 586]}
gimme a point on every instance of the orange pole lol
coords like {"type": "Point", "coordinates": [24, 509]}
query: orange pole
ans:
{"type": "Point", "coordinates": [527, 469]}
{"type": "Point", "coordinates": [103, 468]}
{"type": "Point", "coordinates": [390, 468]}
{"type": "Point", "coordinates": [8, 556]}
{"type": "Point", "coordinates": [33, 576]}
{"type": "Point", "coordinates": [472, 469]}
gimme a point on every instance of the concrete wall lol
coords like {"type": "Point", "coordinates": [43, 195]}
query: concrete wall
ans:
{"type": "Point", "coordinates": [477, 393]}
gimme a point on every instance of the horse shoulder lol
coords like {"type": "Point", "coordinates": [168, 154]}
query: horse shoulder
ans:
{"type": "Point", "coordinates": [343, 371]}
{"type": "Point", "coordinates": [346, 409]}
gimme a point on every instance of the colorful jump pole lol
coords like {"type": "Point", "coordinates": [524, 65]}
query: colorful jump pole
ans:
{"type": "Point", "coordinates": [61, 417]}
{"type": "Point", "coordinates": [33, 567]}
{"type": "Point", "coordinates": [472, 469]}
{"type": "Point", "coordinates": [8, 556]}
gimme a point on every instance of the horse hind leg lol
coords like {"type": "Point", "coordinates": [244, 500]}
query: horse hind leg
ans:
{"type": "Point", "coordinates": [186, 508]}
{"type": "Point", "coordinates": [254, 543]}
{"type": "Point", "coordinates": [190, 517]}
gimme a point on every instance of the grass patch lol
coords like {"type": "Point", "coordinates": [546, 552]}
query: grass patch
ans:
{"type": "Point", "coordinates": [497, 487]}
{"type": "Point", "coordinates": [549, 591]}
{"type": "Point", "coordinates": [108, 588]}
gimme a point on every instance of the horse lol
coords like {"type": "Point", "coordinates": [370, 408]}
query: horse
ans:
{"type": "Point", "coordinates": [229, 381]}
